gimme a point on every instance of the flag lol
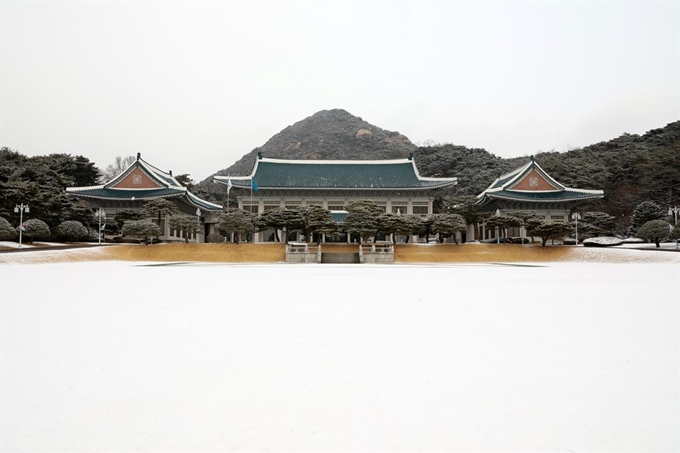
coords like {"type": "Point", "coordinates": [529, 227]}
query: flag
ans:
{"type": "Point", "coordinates": [229, 185]}
{"type": "Point", "coordinates": [23, 227]}
{"type": "Point", "coordinates": [101, 228]}
{"type": "Point", "coordinates": [253, 185]}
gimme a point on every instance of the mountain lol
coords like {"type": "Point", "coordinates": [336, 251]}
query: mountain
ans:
{"type": "Point", "coordinates": [328, 134]}
{"type": "Point", "coordinates": [629, 168]}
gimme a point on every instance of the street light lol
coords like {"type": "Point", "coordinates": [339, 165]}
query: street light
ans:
{"type": "Point", "coordinates": [498, 237]}
{"type": "Point", "coordinates": [576, 216]}
{"type": "Point", "coordinates": [674, 212]}
{"type": "Point", "coordinates": [198, 220]}
{"type": "Point", "coordinates": [21, 208]}
{"type": "Point", "coordinates": [100, 213]}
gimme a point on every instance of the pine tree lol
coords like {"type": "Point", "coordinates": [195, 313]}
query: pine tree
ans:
{"type": "Point", "coordinates": [448, 224]}
{"type": "Point", "coordinates": [597, 223]}
{"type": "Point", "coordinates": [7, 231]}
{"type": "Point", "coordinates": [362, 219]}
{"type": "Point", "coordinates": [644, 212]}
{"type": "Point", "coordinates": [141, 228]}
{"type": "Point", "coordinates": [548, 230]}
{"type": "Point", "coordinates": [236, 221]}
{"type": "Point", "coordinates": [655, 231]}
{"type": "Point", "coordinates": [318, 221]}
{"type": "Point", "coordinates": [187, 224]}
{"type": "Point", "coordinates": [72, 230]}
{"type": "Point", "coordinates": [34, 229]}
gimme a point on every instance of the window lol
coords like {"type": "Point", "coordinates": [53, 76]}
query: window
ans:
{"type": "Point", "coordinates": [421, 210]}
{"type": "Point", "coordinates": [336, 207]}
{"type": "Point", "coordinates": [253, 209]}
{"type": "Point", "coordinates": [557, 217]}
{"type": "Point", "coordinates": [270, 207]}
{"type": "Point", "coordinates": [399, 207]}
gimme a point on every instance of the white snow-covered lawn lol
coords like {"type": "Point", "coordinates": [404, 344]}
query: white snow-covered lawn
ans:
{"type": "Point", "coordinates": [119, 356]}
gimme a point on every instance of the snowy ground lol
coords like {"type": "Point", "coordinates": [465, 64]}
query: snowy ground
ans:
{"type": "Point", "coordinates": [120, 356]}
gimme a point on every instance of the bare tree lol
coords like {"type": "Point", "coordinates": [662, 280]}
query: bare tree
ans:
{"type": "Point", "coordinates": [117, 167]}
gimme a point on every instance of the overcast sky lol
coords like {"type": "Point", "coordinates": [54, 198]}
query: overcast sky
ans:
{"type": "Point", "coordinates": [195, 85]}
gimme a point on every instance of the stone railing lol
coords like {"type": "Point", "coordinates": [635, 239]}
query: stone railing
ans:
{"type": "Point", "coordinates": [378, 252]}
{"type": "Point", "coordinates": [302, 252]}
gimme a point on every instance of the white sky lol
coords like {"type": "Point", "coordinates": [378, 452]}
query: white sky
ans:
{"type": "Point", "coordinates": [195, 85]}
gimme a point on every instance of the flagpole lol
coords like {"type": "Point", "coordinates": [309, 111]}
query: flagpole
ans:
{"type": "Point", "coordinates": [228, 190]}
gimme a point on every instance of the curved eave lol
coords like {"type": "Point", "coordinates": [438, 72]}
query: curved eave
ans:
{"type": "Point", "coordinates": [202, 204]}
{"type": "Point", "coordinates": [241, 182]}
{"type": "Point", "coordinates": [573, 196]}
{"type": "Point", "coordinates": [430, 187]}
{"type": "Point", "coordinates": [110, 194]}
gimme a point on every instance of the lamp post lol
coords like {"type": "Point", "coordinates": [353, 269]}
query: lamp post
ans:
{"type": "Point", "coordinates": [498, 238]}
{"type": "Point", "coordinates": [674, 210]}
{"type": "Point", "coordinates": [198, 220]}
{"type": "Point", "coordinates": [101, 213]}
{"type": "Point", "coordinates": [21, 208]}
{"type": "Point", "coordinates": [576, 216]}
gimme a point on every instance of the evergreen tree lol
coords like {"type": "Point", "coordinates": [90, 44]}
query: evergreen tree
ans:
{"type": "Point", "coordinates": [142, 229]}
{"type": "Point", "coordinates": [187, 224]}
{"type": "Point", "coordinates": [160, 207]}
{"type": "Point", "coordinates": [126, 215]}
{"type": "Point", "coordinates": [675, 234]}
{"type": "Point", "coordinates": [290, 219]}
{"type": "Point", "coordinates": [389, 223]}
{"type": "Point", "coordinates": [72, 230]}
{"type": "Point", "coordinates": [236, 221]}
{"type": "Point", "coordinates": [34, 229]}
{"type": "Point", "coordinates": [597, 223]}
{"type": "Point", "coordinates": [448, 224]}
{"type": "Point", "coordinates": [412, 224]}
{"type": "Point", "coordinates": [644, 212]}
{"type": "Point", "coordinates": [548, 230]}
{"type": "Point", "coordinates": [318, 221]}
{"type": "Point", "coordinates": [7, 231]}
{"type": "Point", "coordinates": [503, 222]}
{"type": "Point", "coordinates": [655, 231]}
{"type": "Point", "coordinates": [362, 219]}
{"type": "Point", "coordinates": [466, 207]}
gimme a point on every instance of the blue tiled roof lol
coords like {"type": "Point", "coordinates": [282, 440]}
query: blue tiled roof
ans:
{"type": "Point", "coordinates": [396, 174]}
{"type": "Point", "coordinates": [566, 195]}
{"type": "Point", "coordinates": [171, 188]}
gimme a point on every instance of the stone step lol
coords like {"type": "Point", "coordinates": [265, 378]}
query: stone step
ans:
{"type": "Point", "coordinates": [340, 257]}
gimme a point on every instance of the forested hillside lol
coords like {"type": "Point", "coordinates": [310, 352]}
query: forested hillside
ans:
{"type": "Point", "coordinates": [40, 181]}
{"type": "Point", "coordinates": [629, 168]}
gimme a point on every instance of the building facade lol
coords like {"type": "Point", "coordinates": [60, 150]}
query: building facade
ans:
{"type": "Point", "coordinates": [530, 188]}
{"type": "Point", "coordinates": [395, 185]}
{"type": "Point", "coordinates": [142, 182]}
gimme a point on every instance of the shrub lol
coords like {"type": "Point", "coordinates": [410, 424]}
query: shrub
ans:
{"type": "Point", "coordinates": [141, 228]}
{"type": "Point", "coordinates": [655, 231]}
{"type": "Point", "coordinates": [34, 229]}
{"type": "Point", "coordinates": [7, 231]}
{"type": "Point", "coordinates": [72, 230]}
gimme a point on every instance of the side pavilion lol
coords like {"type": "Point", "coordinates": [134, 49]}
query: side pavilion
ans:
{"type": "Point", "coordinates": [142, 182]}
{"type": "Point", "coordinates": [394, 185]}
{"type": "Point", "coordinates": [530, 188]}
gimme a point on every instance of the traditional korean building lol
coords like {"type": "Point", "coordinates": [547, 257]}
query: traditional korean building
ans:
{"type": "Point", "coordinates": [394, 185]}
{"type": "Point", "coordinates": [530, 188]}
{"type": "Point", "coordinates": [142, 182]}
